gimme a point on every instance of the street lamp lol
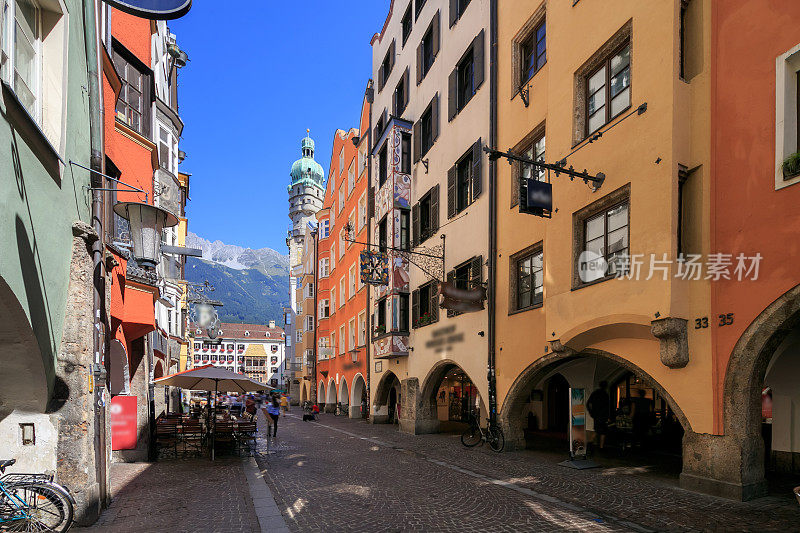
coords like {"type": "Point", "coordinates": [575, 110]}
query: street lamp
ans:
{"type": "Point", "coordinates": [147, 223]}
{"type": "Point", "coordinates": [354, 354]}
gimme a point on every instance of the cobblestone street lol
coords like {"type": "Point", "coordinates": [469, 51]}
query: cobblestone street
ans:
{"type": "Point", "coordinates": [346, 475]}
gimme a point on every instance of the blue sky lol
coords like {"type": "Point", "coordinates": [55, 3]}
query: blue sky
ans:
{"type": "Point", "coordinates": [256, 79]}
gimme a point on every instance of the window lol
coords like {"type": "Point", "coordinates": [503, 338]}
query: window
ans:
{"type": "Point", "coordinates": [333, 299]}
{"type": "Point", "coordinates": [787, 113]}
{"type": "Point", "coordinates": [533, 53]}
{"type": "Point", "coordinates": [341, 339]}
{"type": "Point", "coordinates": [133, 105]}
{"type": "Point", "coordinates": [167, 149]}
{"type": "Point", "coordinates": [333, 255]}
{"type": "Point", "coordinates": [457, 8]}
{"type": "Point", "coordinates": [383, 234]}
{"type": "Point", "coordinates": [351, 339]}
{"type": "Point", "coordinates": [341, 198]}
{"type": "Point", "coordinates": [341, 291]}
{"type": "Point", "coordinates": [418, 8]}
{"type": "Point", "coordinates": [380, 317]}
{"type": "Point", "coordinates": [405, 152]}
{"type": "Point", "coordinates": [464, 181]}
{"type": "Point", "coordinates": [528, 277]}
{"type": "Point", "coordinates": [309, 323]}
{"type": "Point", "coordinates": [309, 290]}
{"type": "Point", "coordinates": [383, 165]}
{"type": "Point", "coordinates": [324, 308]}
{"type": "Point", "coordinates": [608, 89]}
{"type": "Point", "coordinates": [400, 96]}
{"type": "Point", "coordinates": [466, 78]}
{"type": "Point", "coordinates": [324, 267]}
{"type": "Point", "coordinates": [352, 281]}
{"type": "Point", "coordinates": [425, 305]}
{"type": "Point", "coordinates": [351, 178]}
{"type": "Point", "coordinates": [428, 49]}
{"type": "Point", "coordinates": [405, 229]}
{"type": "Point", "coordinates": [352, 221]}
{"type": "Point", "coordinates": [605, 240]}
{"type": "Point", "coordinates": [425, 217]}
{"type": "Point", "coordinates": [530, 150]}
{"type": "Point", "coordinates": [341, 162]}
{"type": "Point", "coordinates": [21, 54]}
{"type": "Point", "coordinates": [406, 23]}
{"type": "Point", "coordinates": [362, 160]}
{"type": "Point", "coordinates": [386, 67]}
{"type": "Point", "coordinates": [333, 343]}
{"type": "Point", "coordinates": [341, 243]}
{"type": "Point", "coordinates": [426, 129]}
{"type": "Point", "coordinates": [362, 212]}
{"type": "Point", "coordinates": [402, 312]}
{"type": "Point", "coordinates": [362, 328]}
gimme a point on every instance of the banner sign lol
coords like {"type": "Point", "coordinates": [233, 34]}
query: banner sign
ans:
{"type": "Point", "coordinates": [123, 423]}
{"type": "Point", "coordinates": [153, 9]}
{"type": "Point", "coordinates": [535, 197]}
{"type": "Point", "coordinates": [577, 423]}
{"type": "Point", "coordinates": [374, 268]}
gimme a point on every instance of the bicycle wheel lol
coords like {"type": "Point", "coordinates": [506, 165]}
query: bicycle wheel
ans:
{"type": "Point", "coordinates": [496, 439]}
{"type": "Point", "coordinates": [471, 437]}
{"type": "Point", "coordinates": [45, 508]}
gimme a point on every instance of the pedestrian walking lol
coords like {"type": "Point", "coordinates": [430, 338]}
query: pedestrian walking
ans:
{"type": "Point", "coordinates": [284, 405]}
{"type": "Point", "coordinates": [274, 412]}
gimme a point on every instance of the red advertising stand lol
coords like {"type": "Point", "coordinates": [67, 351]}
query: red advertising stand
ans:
{"type": "Point", "coordinates": [123, 423]}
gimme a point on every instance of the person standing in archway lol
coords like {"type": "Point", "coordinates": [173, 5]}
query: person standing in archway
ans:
{"type": "Point", "coordinates": [640, 416]}
{"type": "Point", "coordinates": [599, 407]}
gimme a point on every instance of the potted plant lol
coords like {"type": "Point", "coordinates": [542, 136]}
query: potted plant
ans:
{"type": "Point", "coordinates": [380, 329]}
{"type": "Point", "coordinates": [425, 319]}
{"type": "Point", "coordinates": [791, 166]}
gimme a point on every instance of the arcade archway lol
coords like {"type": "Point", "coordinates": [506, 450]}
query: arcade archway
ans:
{"type": "Point", "coordinates": [447, 401]}
{"type": "Point", "coordinates": [344, 394]}
{"type": "Point", "coordinates": [358, 398]}
{"type": "Point", "coordinates": [330, 399]}
{"type": "Point", "coordinates": [385, 406]}
{"type": "Point", "coordinates": [635, 418]}
{"type": "Point", "coordinates": [321, 394]}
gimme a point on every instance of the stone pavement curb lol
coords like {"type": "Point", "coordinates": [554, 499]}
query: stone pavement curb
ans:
{"type": "Point", "coordinates": [269, 516]}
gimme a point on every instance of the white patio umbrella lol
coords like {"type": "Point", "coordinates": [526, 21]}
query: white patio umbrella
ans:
{"type": "Point", "coordinates": [213, 379]}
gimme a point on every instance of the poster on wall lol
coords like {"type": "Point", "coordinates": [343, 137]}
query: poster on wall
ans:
{"type": "Point", "coordinates": [123, 423]}
{"type": "Point", "coordinates": [577, 423]}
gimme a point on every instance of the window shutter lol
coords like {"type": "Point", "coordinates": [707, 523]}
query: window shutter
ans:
{"type": "Point", "coordinates": [434, 301]}
{"type": "Point", "coordinates": [435, 116]}
{"type": "Point", "coordinates": [435, 34]}
{"type": "Point", "coordinates": [380, 79]}
{"type": "Point", "coordinates": [417, 140]}
{"type": "Point", "coordinates": [435, 209]}
{"type": "Point", "coordinates": [394, 102]}
{"type": "Point", "coordinates": [453, 12]}
{"type": "Point", "coordinates": [476, 272]}
{"type": "Point", "coordinates": [406, 87]}
{"type": "Point", "coordinates": [391, 56]}
{"type": "Point", "coordinates": [451, 192]}
{"type": "Point", "coordinates": [414, 308]}
{"type": "Point", "coordinates": [477, 158]}
{"type": "Point", "coordinates": [415, 225]}
{"type": "Point", "coordinates": [478, 61]}
{"type": "Point", "coordinates": [419, 61]}
{"type": "Point", "coordinates": [451, 280]}
{"type": "Point", "coordinates": [371, 203]}
{"type": "Point", "coordinates": [452, 95]}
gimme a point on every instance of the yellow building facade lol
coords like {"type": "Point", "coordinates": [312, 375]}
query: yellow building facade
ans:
{"type": "Point", "coordinates": [603, 90]}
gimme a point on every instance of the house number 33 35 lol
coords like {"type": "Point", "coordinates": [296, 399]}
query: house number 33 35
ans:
{"type": "Point", "coordinates": [724, 320]}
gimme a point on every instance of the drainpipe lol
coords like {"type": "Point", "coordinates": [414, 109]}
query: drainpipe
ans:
{"type": "Point", "coordinates": [370, 95]}
{"type": "Point", "coordinates": [91, 43]}
{"type": "Point", "coordinates": [492, 274]}
{"type": "Point", "coordinates": [315, 236]}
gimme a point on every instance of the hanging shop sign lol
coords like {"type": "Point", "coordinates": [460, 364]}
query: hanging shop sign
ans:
{"type": "Point", "coordinates": [461, 300]}
{"type": "Point", "coordinates": [577, 423]}
{"type": "Point", "coordinates": [535, 197]}
{"type": "Point", "coordinates": [153, 9]}
{"type": "Point", "coordinates": [374, 268]}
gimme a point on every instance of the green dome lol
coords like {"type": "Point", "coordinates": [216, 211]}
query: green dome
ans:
{"type": "Point", "coordinates": [306, 171]}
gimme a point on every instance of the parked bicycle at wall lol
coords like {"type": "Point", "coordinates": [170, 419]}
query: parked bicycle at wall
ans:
{"type": "Point", "coordinates": [475, 435]}
{"type": "Point", "coordinates": [33, 502]}
{"type": "Point", "coordinates": [342, 410]}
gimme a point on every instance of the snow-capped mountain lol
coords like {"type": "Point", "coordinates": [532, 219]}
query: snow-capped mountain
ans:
{"type": "Point", "coordinates": [267, 260]}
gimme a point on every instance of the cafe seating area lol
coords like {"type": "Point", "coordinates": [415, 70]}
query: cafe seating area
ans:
{"type": "Point", "coordinates": [180, 435]}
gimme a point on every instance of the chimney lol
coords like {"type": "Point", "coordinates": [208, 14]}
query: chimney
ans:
{"type": "Point", "coordinates": [271, 323]}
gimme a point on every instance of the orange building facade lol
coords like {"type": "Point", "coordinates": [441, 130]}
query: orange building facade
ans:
{"type": "Point", "coordinates": [342, 297]}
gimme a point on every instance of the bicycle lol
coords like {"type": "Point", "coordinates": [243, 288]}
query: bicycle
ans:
{"type": "Point", "coordinates": [475, 435]}
{"type": "Point", "coordinates": [341, 410]}
{"type": "Point", "coordinates": [33, 502]}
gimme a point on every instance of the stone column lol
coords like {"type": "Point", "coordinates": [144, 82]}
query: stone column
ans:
{"type": "Point", "coordinates": [73, 402]}
{"type": "Point", "coordinates": [417, 414]}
